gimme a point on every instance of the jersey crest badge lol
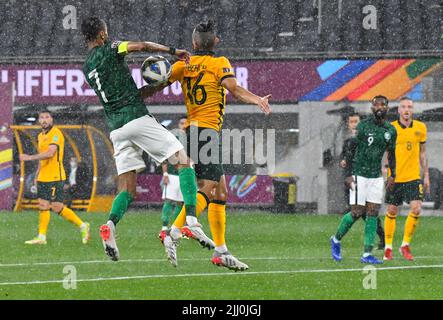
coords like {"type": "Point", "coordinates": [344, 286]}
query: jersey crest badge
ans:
{"type": "Point", "coordinates": [387, 136]}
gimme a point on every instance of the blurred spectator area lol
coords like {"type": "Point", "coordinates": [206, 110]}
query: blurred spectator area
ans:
{"type": "Point", "coordinates": [247, 28]}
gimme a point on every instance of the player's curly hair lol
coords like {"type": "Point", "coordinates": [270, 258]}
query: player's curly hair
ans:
{"type": "Point", "coordinates": [204, 35]}
{"type": "Point", "coordinates": [91, 27]}
{"type": "Point", "coordinates": [380, 99]}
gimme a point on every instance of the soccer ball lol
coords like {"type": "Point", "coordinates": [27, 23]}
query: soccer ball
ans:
{"type": "Point", "coordinates": [156, 70]}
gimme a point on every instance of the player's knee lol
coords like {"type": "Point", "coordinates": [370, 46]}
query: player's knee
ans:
{"type": "Point", "coordinates": [392, 211]}
{"type": "Point", "coordinates": [221, 193]}
{"type": "Point", "coordinates": [416, 209]}
{"type": "Point", "coordinates": [57, 207]}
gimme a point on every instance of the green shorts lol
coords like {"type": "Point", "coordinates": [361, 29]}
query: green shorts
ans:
{"type": "Point", "coordinates": [50, 191]}
{"type": "Point", "coordinates": [405, 192]}
{"type": "Point", "coordinates": [208, 154]}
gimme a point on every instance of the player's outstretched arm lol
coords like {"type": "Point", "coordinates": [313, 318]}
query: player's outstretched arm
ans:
{"type": "Point", "coordinates": [39, 156]}
{"type": "Point", "coordinates": [425, 167]}
{"type": "Point", "coordinates": [246, 96]}
{"type": "Point", "coordinates": [133, 46]}
{"type": "Point", "coordinates": [149, 91]}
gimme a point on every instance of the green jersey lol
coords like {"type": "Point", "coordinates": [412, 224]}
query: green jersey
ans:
{"type": "Point", "coordinates": [107, 72]}
{"type": "Point", "coordinates": [371, 142]}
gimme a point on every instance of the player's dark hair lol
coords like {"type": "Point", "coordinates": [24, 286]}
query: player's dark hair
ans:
{"type": "Point", "coordinates": [44, 111]}
{"type": "Point", "coordinates": [204, 35]}
{"type": "Point", "coordinates": [405, 98]}
{"type": "Point", "coordinates": [183, 117]}
{"type": "Point", "coordinates": [353, 114]}
{"type": "Point", "coordinates": [380, 99]}
{"type": "Point", "coordinates": [91, 27]}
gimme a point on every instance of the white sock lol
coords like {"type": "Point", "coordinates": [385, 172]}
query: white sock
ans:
{"type": "Point", "coordinates": [335, 239]}
{"type": "Point", "coordinates": [42, 236]}
{"type": "Point", "coordinates": [388, 246]}
{"type": "Point", "coordinates": [221, 249]}
{"type": "Point", "coordinates": [164, 228]}
{"type": "Point", "coordinates": [175, 232]}
{"type": "Point", "coordinates": [83, 225]}
{"type": "Point", "coordinates": [366, 254]}
{"type": "Point", "coordinates": [404, 244]}
{"type": "Point", "coordinates": [191, 221]}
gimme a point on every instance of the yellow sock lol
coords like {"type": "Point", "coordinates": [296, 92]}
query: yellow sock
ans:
{"type": "Point", "coordinates": [43, 221]}
{"type": "Point", "coordinates": [389, 229]}
{"type": "Point", "coordinates": [202, 203]}
{"type": "Point", "coordinates": [69, 215]}
{"type": "Point", "coordinates": [410, 225]}
{"type": "Point", "coordinates": [217, 222]}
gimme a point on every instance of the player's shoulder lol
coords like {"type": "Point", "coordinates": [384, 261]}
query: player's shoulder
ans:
{"type": "Point", "coordinates": [221, 60]}
{"type": "Point", "coordinates": [420, 125]}
{"type": "Point", "coordinates": [56, 132]}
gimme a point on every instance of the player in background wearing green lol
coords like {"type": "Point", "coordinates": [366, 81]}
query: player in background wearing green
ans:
{"type": "Point", "coordinates": [133, 128]}
{"type": "Point", "coordinates": [171, 194]}
{"type": "Point", "coordinates": [374, 137]}
{"type": "Point", "coordinates": [352, 121]}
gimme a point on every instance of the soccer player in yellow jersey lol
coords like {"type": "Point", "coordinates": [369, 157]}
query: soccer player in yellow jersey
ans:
{"type": "Point", "coordinates": [204, 82]}
{"type": "Point", "coordinates": [50, 178]}
{"type": "Point", "coordinates": [410, 152]}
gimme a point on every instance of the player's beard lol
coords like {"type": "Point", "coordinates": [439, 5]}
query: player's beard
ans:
{"type": "Point", "coordinates": [380, 114]}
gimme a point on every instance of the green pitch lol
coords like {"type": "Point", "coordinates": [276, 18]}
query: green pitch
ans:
{"type": "Point", "coordinates": [288, 257]}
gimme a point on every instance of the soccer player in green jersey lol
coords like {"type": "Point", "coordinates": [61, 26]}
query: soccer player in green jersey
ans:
{"type": "Point", "coordinates": [374, 137]}
{"type": "Point", "coordinates": [133, 128]}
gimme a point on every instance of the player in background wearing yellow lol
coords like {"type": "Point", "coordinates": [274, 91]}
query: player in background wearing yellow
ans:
{"type": "Point", "coordinates": [50, 179]}
{"type": "Point", "coordinates": [204, 82]}
{"type": "Point", "coordinates": [410, 152]}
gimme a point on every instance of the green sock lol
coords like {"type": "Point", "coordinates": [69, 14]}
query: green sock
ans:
{"type": "Point", "coordinates": [188, 187]}
{"type": "Point", "coordinates": [166, 213]}
{"type": "Point", "coordinates": [370, 232]}
{"type": "Point", "coordinates": [120, 206]}
{"type": "Point", "coordinates": [345, 225]}
{"type": "Point", "coordinates": [177, 209]}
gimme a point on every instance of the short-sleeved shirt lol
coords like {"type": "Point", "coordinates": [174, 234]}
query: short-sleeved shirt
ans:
{"type": "Point", "coordinates": [51, 169]}
{"type": "Point", "coordinates": [107, 72]}
{"type": "Point", "coordinates": [407, 150]}
{"type": "Point", "coordinates": [205, 97]}
{"type": "Point", "coordinates": [372, 141]}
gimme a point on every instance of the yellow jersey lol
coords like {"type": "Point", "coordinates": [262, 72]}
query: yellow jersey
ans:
{"type": "Point", "coordinates": [407, 150]}
{"type": "Point", "coordinates": [205, 97]}
{"type": "Point", "coordinates": [52, 169]}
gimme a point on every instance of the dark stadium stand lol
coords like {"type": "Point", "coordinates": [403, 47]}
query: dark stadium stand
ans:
{"type": "Point", "coordinates": [34, 28]}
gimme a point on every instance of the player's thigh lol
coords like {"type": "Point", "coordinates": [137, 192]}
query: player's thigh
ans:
{"type": "Point", "coordinates": [375, 190]}
{"type": "Point", "coordinates": [57, 206]}
{"type": "Point", "coordinates": [413, 192]}
{"type": "Point", "coordinates": [358, 196]}
{"type": "Point", "coordinates": [50, 191]}
{"type": "Point", "coordinates": [394, 196]}
{"type": "Point", "coordinates": [127, 155]}
{"type": "Point", "coordinates": [149, 135]}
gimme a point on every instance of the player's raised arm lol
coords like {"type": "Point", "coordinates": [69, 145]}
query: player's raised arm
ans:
{"type": "Point", "coordinates": [246, 96]}
{"type": "Point", "coordinates": [132, 46]}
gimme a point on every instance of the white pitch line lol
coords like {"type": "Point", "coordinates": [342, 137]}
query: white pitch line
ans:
{"type": "Point", "coordinates": [24, 264]}
{"type": "Point", "coordinates": [247, 273]}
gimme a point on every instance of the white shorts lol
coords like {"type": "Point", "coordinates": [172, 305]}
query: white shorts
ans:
{"type": "Point", "coordinates": [171, 191]}
{"type": "Point", "coordinates": [366, 190]}
{"type": "Point", "coordinates": [142, 134]}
